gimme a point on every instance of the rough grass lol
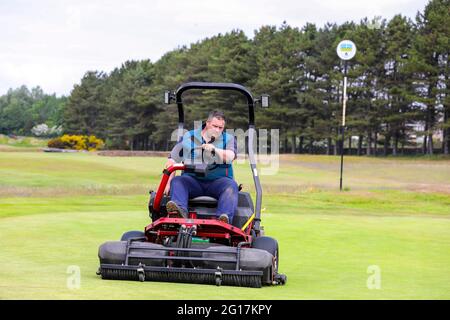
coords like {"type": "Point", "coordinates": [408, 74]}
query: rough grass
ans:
{"type": "Point", "coordinates": [55, 210]}
{"type": "Point", "coordinates": [22, 142]}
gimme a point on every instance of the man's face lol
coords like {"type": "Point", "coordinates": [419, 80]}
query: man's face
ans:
{"type": "Point", "coordinates": [214, 127]}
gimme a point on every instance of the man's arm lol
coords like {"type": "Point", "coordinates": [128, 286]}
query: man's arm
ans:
{"type": "Point", "coordinates": [172, 175]}
{"type": "Point", "coordinates": [175, 156]}
{"type": "Point", "coordinates": [225, 155]}
{"type": "Point", "coordinates": [177, 152]}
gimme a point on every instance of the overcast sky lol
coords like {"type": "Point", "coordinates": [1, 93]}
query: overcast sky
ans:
{"type": "Point", "coordinates": [52, 43]}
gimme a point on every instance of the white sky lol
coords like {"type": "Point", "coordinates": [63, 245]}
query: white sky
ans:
{"type": "Point", "coordinates": [52, 43]}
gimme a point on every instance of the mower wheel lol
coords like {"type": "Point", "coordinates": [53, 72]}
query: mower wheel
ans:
{"type": "Point", "coordinates": [266, 243]}
{"type": "Point", "coordinates": [132, 235]}
{"type": "Point", "coordinates": [270, 245]}
{"type": "Point", "coordinates": [281, 279]}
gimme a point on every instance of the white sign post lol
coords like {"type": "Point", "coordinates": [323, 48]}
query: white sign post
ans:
{"type": "Point", "coordinates": [345, 50]}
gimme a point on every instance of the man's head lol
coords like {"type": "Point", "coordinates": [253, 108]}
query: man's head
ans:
{"type": "Point", "coordinates": [215, 124]}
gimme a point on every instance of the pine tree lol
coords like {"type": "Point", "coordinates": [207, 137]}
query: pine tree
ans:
{"type": "Point", "coordinates": [428, 65]}
{"type": "Point", "coordinates": [399, 109]}
{"type": "Point", "coordinates": [86, 108]}
{"type": "Point", "coordinates": [278, 58]}
{"type": "Point", "coordinates": [130, 112]}
{"type": "Point", "coordinates": [367, 99]}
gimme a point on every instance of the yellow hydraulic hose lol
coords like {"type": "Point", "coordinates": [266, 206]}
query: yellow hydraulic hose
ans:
{"type": "Point", "coordinates": [248, 222]}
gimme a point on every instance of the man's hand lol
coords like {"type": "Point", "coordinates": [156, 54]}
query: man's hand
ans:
{"type": "Point", "coordinates": [208, 147]}
{"type": "Point", "coordinates": [227, 156]}
{"type": "Point", "coordinates": [168, 164]}
{"type": "Point", "coordinates": [167, 189]}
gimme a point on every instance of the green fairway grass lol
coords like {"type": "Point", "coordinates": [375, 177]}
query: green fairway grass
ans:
{"type": "Point", "coordinates": [56, 209]}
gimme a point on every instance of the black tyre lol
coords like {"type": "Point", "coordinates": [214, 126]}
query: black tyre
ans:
{"type": "Point", "coordinates": [132, 235]}
{"type": "Point", "coordinates": [266, 243]}
{"type": "Point", "coordinates": [270, 245]}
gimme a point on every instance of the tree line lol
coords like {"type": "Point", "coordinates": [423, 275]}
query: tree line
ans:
{"type": "Point", "coordinates": [24, 111]}
{"type": "Point", "coordinates": [398, 88]}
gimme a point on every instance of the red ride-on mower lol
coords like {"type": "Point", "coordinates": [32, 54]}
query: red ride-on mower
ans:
{"type": "Point", "coordinates": [199, 249]}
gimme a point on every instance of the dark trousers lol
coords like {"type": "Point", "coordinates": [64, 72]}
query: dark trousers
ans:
{"type": "Point", "coordinates": [225, 190]}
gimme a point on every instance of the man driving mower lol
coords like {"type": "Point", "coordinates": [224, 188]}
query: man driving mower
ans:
{"type": "Point", "coordinates": [216, 148]}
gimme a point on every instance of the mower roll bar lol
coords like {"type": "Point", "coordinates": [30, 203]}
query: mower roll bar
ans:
{"type": "Point", "coordinates": [177, 96]}
{"type": "Point", "coordinates": [214, 86]}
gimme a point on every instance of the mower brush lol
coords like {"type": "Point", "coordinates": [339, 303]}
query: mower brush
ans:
{"type": "Point", "coordinates": [184, 275]}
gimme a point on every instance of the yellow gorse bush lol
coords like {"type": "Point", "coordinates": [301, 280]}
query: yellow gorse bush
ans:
{"type": "Point", "coordinates": [77, 142]}
{"type": "Point", "coordinates": [95, 143]}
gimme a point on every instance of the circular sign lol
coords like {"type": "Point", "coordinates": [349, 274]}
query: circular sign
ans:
{"type": "Point", "coordinates": [346, 49]}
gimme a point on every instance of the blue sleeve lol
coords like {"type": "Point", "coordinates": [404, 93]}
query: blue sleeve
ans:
{"type": "Point", "coordinates": [232, 145]}
{"type": "Point", "coordinates": [177, 152]}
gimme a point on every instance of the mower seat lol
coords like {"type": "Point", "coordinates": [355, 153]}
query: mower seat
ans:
{"type": "Point", "coordinates": [203, 201]}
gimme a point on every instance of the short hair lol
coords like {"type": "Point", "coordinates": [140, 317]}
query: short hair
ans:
{"type": "Point", "coordinates": [216, 114]}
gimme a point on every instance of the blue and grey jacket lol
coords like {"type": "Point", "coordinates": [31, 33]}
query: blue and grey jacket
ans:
{"type": "Point", "coordinates": [189, 150]}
